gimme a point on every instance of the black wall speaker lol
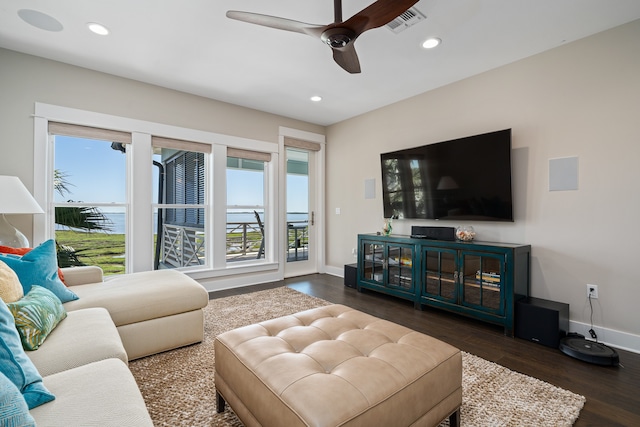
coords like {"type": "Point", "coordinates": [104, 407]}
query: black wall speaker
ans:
{"type": "Point", "coordinates": [541, 321]}
{"type": "Point", "coordinates": [435, 233]}
{"type": "Point", "coordinates": [351, 275]}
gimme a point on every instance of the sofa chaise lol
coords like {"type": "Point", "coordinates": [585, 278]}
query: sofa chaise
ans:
{"type": "Point", "coordinates": [154, 311]}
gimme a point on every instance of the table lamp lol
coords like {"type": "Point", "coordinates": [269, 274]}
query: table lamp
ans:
{"type": "Point", "coordinates": [14, 199]}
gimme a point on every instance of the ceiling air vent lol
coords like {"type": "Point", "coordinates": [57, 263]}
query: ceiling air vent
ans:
{"type": "Point", "coordinates": [406, 20]}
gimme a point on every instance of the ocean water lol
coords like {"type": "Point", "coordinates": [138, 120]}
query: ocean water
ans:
{"type": "Point", "coordinates": [118, 219]}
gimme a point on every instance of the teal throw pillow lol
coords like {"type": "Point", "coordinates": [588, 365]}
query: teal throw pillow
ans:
{"type": "Point", "coordinates": [39, 267]}
{"type": "Point", "coordinates": [15, 364]}
{"type": "Point", "coordinates": [14, 411]}
{"type": "Point", "coordinates": [36, 314]}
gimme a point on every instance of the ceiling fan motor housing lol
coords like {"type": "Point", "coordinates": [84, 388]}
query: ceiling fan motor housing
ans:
{"type": "Point", "coordinates": [337, 37]}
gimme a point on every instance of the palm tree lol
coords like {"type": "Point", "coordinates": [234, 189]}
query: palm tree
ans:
{"type": "Point", "coordinates": [86, 218]}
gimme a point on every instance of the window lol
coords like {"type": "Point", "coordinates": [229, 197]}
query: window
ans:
{"type": "Point", "coordinates": [247, 220]}
{"type": "Point", "coordinates": [89, 200]}
{"type": "Point", "coordinates": [180, 206]}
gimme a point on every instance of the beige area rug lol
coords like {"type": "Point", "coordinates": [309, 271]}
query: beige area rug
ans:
{"type": "Point", "coordinates": [179, 390]}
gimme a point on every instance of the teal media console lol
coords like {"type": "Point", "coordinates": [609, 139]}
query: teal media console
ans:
{"type": "Point", "coordinates": [481, 280]}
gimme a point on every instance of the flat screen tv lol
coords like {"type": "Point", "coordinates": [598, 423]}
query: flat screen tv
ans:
{"type": "Point", "coordinates": [462, 179]}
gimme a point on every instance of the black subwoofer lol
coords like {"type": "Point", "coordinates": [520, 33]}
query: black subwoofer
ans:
{"type": "Point", "coordinates": [351, 275]}
{"type": "Point", "coordinates": [541, 321]}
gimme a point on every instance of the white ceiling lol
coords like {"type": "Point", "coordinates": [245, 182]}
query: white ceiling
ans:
{"type": "Point", "coordinates": [190, 46]}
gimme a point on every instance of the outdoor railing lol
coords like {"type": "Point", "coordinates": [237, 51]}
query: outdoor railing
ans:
{"type": "Point", "coordinates": [184, 246]}
{"type": "Point", "coordinates": [242, 238]}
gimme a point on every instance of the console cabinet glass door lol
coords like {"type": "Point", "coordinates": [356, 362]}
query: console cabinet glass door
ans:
{"type": "Point", "coordinates": [399, 267]}
{"type": "Point", "coordinates": [481, 276]}
{"type": "Point", "coordinates": [388, 264]}
{"type": "Point", "coordinates": [440, 274]}
{"type": "Point", "coordinates": [373, 263]}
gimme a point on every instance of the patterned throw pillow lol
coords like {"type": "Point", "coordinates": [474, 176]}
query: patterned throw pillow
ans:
{"type": "Point", "coordinates": [10, 287]}
{"type": "Point", "coordinates": [36, 315]}
{"type": "Point", "coordinates": [16, 365]}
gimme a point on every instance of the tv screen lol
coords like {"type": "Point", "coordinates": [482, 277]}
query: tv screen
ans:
{"type": "Point", "coordinates": [462, 179]}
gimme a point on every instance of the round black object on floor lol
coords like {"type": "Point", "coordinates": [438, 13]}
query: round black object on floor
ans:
{"type": "Point", "coordinates": [589, 351]}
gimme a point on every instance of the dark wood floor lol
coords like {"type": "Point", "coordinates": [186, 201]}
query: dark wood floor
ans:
{"type": "Point", "coordinates": [613, 393]}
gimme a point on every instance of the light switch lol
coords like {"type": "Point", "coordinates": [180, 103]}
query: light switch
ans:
{"type": "Point", "coordinates": [337, 211]}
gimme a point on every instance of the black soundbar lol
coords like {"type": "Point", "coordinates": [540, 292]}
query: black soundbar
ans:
{"type": "Point", "coordinates": [434, 233]}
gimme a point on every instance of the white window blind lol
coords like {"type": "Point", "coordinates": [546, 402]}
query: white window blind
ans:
{"type": "Point", "coordinates": [67, 129]}
{"type": "Point", "coordinates": [248, 154]}
{"type": "Point", "coordinates": [298, 143]}
{"type": "Point", "coordinates": [179, 144]}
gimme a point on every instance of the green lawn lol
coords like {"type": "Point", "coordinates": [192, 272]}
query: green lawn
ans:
{"type": "Point", "coordinates": [102, 249]}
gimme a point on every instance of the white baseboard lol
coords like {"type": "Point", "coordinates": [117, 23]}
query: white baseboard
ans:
{"type": "Point", "coordinates": [334, 271]}
{"type": "Point", "coordinates": [231, 282]}
{"type": "Point", "coordinates": [612, 337]}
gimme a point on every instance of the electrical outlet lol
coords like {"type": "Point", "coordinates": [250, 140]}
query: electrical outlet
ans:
{"type": "Point", "coordinates": [592, 291]}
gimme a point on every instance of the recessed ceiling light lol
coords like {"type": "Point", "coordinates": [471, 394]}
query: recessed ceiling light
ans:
{"type": "Point", "coordinates": [430, 43]}
{"type": "Point", "coordinates": [40, 20]}
{"type": "Point", "coordinates": [316, 98]}
{"type": "Point", "coordinates": [98, 28]}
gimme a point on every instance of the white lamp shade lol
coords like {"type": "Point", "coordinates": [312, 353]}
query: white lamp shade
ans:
{"type": "Point", "coordinates": [15, 198]}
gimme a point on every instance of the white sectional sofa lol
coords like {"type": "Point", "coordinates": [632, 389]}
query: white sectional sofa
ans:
{"type": "Point", "coordinates": [83, 361]}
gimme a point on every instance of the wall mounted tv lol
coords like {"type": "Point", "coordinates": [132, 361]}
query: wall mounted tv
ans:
{"type": "Point", "coordinates": [462, 179]}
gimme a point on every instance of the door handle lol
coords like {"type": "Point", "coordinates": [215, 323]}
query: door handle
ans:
{"type": "Point", "coordinates": [313, 218]}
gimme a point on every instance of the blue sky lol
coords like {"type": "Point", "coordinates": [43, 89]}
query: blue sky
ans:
{"type": "Point", "coordinates": [96, 173]}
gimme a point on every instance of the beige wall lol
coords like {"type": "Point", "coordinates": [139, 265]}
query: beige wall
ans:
{"type": "Point", "coordinates": [25, 80]}
{"type": "Point", "coordinates": [581, 99]}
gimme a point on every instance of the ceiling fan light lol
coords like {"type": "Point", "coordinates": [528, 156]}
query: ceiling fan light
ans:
{"type": "Point", "coordinates": [431, 42]}
{"type": "Point", "coordinates": [316, 98]}
{"type": "Point", "coordinates": [97, 28]}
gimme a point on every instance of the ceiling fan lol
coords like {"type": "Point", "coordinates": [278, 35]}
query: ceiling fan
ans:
{"type": "Point", "coordinates": [339, 35]}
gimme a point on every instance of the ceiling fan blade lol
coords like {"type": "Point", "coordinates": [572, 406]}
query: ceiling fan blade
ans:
{"type": "Point", "coordinates": [377, 14]}
{"type": "Point", "coordinates": [347, 58]}
{"type": "Point", "coordinates": [276, 22]}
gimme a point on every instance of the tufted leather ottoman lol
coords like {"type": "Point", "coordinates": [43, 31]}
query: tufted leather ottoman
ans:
{"type": "Point", "coordinates": [335, 366]}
